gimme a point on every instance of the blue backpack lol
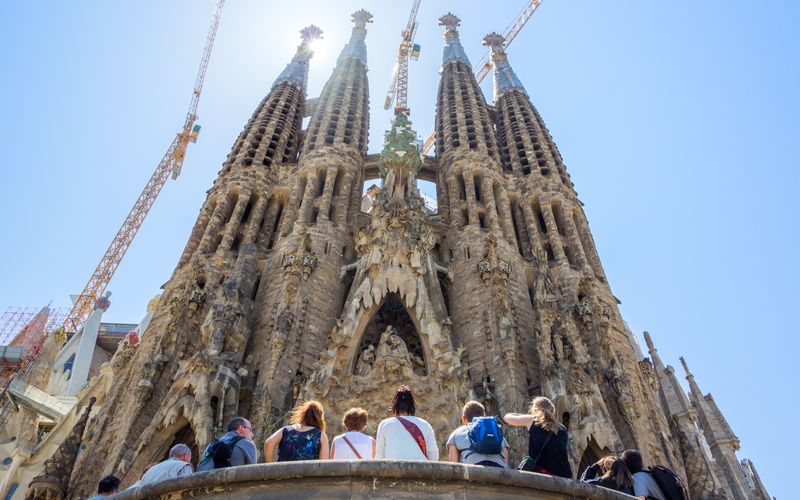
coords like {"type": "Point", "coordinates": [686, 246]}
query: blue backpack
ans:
{"type": "Point", "coordinates": [485, 436]}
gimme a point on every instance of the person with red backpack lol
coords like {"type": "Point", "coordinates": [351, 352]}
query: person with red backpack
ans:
{"type": "Point", "coordinates": [479, 441]}
{"type": "Point", "coordinates": [405, 436]}
{"type": "Point", "coordinates": [658, 482]}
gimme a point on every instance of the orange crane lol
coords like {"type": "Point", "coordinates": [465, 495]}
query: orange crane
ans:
{"type": "Point", "coordinates": [170, 165]}
{"type": "Point", "coordinates": [485, 64]}
{"type": "Point", "coordinates": [398, 89]}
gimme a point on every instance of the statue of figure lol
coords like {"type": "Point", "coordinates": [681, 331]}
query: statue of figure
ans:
{"type": "Point", "coordinates": [365, 361]}
{"type": "Point", "coordinates": [393, 353]}
{"type": "Point", "coordinates": [558, 346]}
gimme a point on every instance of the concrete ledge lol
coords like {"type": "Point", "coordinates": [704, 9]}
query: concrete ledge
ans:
{"type": "Point", "coordinates": [368, 479]}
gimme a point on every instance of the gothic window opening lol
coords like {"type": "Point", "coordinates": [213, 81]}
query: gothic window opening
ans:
{"type": "Point", "coordinates": [558, 218]}
{"type": "Point", "coordinates": [321, 182]}
{"type": "Point", "coordinates": [403, 344]}
{"type": "Point", "coordinates": [539, 217]}
{"type": "Point", "coordinates": [462, 187]}
{"type": "Point", "coordinates": [477, 180]}
{"type": "Point", "coordinates": [519, 230]}
{"type": "Point", "coordinates": [551, 257]}
{"type": "Point", "coordinates": [570, 256]}
{"type": "Point", "coordinates": [482, 220]}
{"type": "Point", "coordinates": [592, 454]}
{"type": "Point", "coordinates": [274, 233]}
{"type": "Point", "coordinates": [256, 285]}
{"type": "Point", "coordinates": [565, 420]}
{"type": "Point", "coordinates": [237, 242]}
{"type": "Point", "coordinates": [185, 436]}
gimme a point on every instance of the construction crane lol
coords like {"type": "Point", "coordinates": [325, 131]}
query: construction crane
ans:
{"type": "Point", "coordinates": [170, 165]}
{"type": "Point", "coordinates": [485, 64]}
{"type": "Point", "coordinates": [398, 88]}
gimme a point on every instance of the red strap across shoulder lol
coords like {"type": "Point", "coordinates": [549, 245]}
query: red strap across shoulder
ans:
{"type": "Point", "coordinates": [412, 429]}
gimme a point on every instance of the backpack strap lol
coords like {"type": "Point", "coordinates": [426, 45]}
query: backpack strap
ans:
{"type": "Point", "coordinates": [412, 429]}
{"type": "Point", "coordinates": [351, 446]}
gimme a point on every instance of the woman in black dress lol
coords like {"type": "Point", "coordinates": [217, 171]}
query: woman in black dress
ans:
{"type": "Point", "coordinates": [547, 441]}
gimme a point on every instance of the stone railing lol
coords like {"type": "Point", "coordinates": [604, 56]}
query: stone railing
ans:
{"type": "Point", "coordinates": [368, 479]}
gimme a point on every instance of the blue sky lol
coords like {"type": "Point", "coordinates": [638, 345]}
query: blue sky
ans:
{"type": "Point", "coordinates": [677, 122]}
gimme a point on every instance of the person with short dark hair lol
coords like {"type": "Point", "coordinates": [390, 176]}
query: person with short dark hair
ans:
{"type": "Point", "coordinates": [406, 436]}
{"type": "Point", "coordinates": [106, 487]}
{"type": "Point", "coordinates": [460, 447]}
{"type": "Point", "coordinates": [235, 447]}
{"type": "Point", "coordinates": [643, 483]}
{"type": "Point", "coordinates": [304, 439]}
{"type": "Point", "coordinates": [547, 440]}
{"type": "Point", "coordinates": [353, 444]}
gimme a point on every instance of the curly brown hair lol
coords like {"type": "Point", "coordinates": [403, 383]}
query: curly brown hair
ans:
{"type": "Point", "coordinates": [355, 419]}
{"type": "Point", "coordinates": [309, 413]}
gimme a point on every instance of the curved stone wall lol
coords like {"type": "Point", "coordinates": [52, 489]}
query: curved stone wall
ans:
{"type": "Point", "coordinates": [368, 479]}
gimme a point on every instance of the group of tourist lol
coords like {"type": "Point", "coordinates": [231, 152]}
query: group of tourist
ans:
{"type": "Point", "coordinates": [405, 436]}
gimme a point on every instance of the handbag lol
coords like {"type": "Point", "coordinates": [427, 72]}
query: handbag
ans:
{"type": "Point", "coordinates": [530, 464]}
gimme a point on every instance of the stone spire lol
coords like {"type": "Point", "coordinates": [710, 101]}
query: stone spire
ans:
{"type": "Point", "coordinates": [296, 71]}
{"type": "Point", "coordinates": [672, 397]}
{"type": "Point", "coordinates": [53, 482]}
{"type": "Point", "coordinates": [702, 479]}
{"type": "Point", "coordinates": [356, 48]}
{"type": "Point", "coordinates": [721, 439]}
{"type": "Point", "coordinates": [341, 117]}
{"type": "Point", "coordinates": [453, 51]}
{"type": "Point", "coordinates": [714, 423]}
{"type": "Point", "coordinates": [505, 79]}
{"type": "Point", "coordinates": [462, 116]}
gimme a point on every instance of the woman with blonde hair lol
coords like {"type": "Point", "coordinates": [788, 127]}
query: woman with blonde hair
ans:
{"type": "Point", "coordinates": [304, 439]}
{"type": "Point", "coordinates": [547, 439]}
{"type": "Point", "coordinates": [353, 444]}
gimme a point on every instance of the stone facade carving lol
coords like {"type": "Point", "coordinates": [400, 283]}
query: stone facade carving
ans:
{"type": "Point", "coordinates": [287, 291]}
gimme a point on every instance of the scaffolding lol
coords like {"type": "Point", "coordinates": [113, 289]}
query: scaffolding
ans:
{"type": "Point", "coordinates": [22, 334]}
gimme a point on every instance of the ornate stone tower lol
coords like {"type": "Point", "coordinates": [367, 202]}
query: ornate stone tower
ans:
{"type": "Point", "coordinates": [288, 291]}
{"type": "Point", "coordinates": [193, 368]}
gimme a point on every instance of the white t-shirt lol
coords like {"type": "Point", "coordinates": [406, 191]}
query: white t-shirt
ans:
{"type": "Point", "coordinates": [394, 441]}
{"type": "Point", "coordinates": [360, 441]}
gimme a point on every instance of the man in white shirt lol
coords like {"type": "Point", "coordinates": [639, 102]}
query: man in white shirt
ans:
{"type": "Point", "coordinates": [405, 436]}
{"type": "Point", "coordinates": [178, 464]}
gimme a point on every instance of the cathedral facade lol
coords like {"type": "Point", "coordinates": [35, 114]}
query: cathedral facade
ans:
{"type": "Point", "coordinates": [288, 291]}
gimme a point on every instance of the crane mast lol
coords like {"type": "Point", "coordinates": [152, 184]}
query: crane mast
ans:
{"type": "Point", "coordinates": [485, 64]}
{"type": "Point", "coordinates": [398, 88]}
{"type": "Point", "coordinates": [170, 164]}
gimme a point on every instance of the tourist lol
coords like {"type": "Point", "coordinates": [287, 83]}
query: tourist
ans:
{"type": "Point", "coordinates": [613, 474]}
{"type": "Point", "coordinates": [106, 487]}
{"type": "Point", "coordinates": [479, 433]}
{"type": "Point", "coordinates": [178, 464]}
{"type": "Point", "coordinates": [547, 439]}
{"type": "Point", "coordinates": [405, 436]}
{"type": "Point", "coordinates": [304, 439]}
{"type": "Point", "coordinates": [353, 444]}
{"type": "Point", "coordinates": [643, 483]}
{"type": "Point", "coordinates": [235, 447]}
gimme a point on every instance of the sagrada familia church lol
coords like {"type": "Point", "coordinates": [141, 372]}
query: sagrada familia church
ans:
{"type": "Point", "coordinates": [293, 286]}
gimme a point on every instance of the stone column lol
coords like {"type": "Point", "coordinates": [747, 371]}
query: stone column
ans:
{"type": "Point", "coordinates": [552, 233]}
{"type": "Point", "coordinates": [234, 222]}
{"type": "Point", "coordinates": [216, 221]}
{"type": "Point", "coordinates": [327, 194]}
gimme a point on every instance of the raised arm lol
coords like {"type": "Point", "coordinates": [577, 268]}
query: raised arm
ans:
{"type": "Point", "coordinates": [518, 419]}
{"type": "Point", "coordinates": [271, 443]}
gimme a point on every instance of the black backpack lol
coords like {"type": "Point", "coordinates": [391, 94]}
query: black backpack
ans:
{"type": "Point", "coordinates": [220, 451]}
{"type": "Point", "coordinates": [670, 483]}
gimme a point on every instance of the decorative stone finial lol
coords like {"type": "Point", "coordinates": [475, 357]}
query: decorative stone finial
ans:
{"type": "Point", "coordinates": [450, 21]}
{"type": "Point", "coordinates": [310, 33]}
{"type": "Point", "coordinates": [685, 367]}
{"type": "Point", "coordinates": [504, 77]}
{"type": "Point", "coordinates": [453, 51]}
{"type": "Point", "coordinates": [361, 18]}
{"type": "Point", "coordinates": [495, 41]}
{"type": "Point", "coordinates": [650, 346]}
